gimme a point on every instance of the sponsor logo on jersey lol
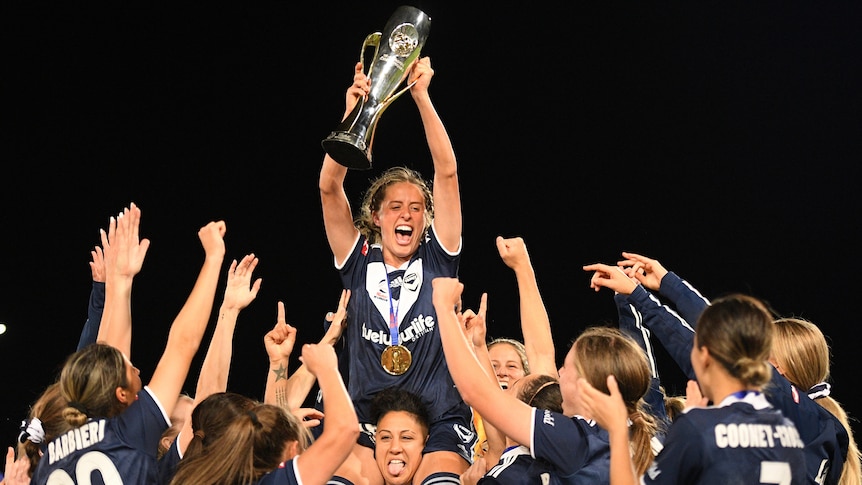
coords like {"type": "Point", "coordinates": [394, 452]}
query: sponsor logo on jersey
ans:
{"type": "Point", "coordinates": [419, 326]}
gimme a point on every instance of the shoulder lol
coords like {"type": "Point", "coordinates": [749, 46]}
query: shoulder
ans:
{"type": "Point", "coordinates": [285, 474]}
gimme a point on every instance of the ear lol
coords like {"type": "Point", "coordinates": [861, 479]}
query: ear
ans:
{"type": "Point", "coordinates": [290, 451]}
{"type": "Point", "coordinates": [702, 356]}
{"type": "Point", "coordinates": [166, 442]}
{"type": "Point", "coordinates": [774, 362]}
{"type": "Point", "coordinates": [121, 394]}
{"type": "Point", "coordinates": [375, 218]}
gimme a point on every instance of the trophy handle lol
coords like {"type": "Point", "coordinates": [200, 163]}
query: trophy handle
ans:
{"type": "Point", "coordinates": [372, 40]}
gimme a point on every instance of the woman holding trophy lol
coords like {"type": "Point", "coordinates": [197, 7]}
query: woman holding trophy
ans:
{"type": "Point", "coordinates": [404, 237]}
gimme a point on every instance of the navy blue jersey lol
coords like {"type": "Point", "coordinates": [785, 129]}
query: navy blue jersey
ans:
{"type": "Point", "coordinates": [631, 322]}
{"type": "Point", "coordinates": [168, 462]}
{"type": "Point", "coordinates": [744, 440]}
{"type": "Point", "coordinates": [94, 315]}
{"type": "Point", "coordinates": [116, 450]}
{"type": "Point", "coordinates": [285, 474]}
{"type": "Point", "coordinates": [577, 449]}
{"type": "Point", "coordinates": [518, 467]}
{"type": "Point", "coordinates": [826, 440]}
{"type": "Point", "coordinates": [685, 297]}
{"type": "Point", "coordinates": [673, 331]}
{"type": "Point", "coordinates": [367, 332]}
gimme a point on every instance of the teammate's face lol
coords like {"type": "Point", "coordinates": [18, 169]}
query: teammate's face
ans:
{"type": "Point", "coordinates": [699, 363]}
{"type": "Point", "coordinates": [398, 446]}
{"type": "Point", "coordinates": [401, 220]}
{"type": "Point", "coordinates": [569, 385]}
{"type": "Point", "coordinates": [133, 378]}
{"type": "Point", "coordinates": [507, 364]}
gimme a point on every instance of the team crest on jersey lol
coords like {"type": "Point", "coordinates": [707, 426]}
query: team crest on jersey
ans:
{"type": "Point", "coordinates": [365, 248]}
{"type": "Point", "coordinates": [368, 430]}
{"type": "Point", "coordinates": [411, 281]}
{"type": "Point", "coordinates": [464, 433]}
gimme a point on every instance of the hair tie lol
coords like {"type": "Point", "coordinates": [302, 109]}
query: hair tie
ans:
{"type": "Point", "coordinates": [820, 390]}
{"type": "Point", "coordinates": [254, 419]}
{"type": "Point", "coordinates": [32, 431]}
{"type": "Point", "coordinates": [200, 434]}
{"type": "Point", "coordinates": [549, 383]}
{"type": "Point", "coordinates": [79, 407]}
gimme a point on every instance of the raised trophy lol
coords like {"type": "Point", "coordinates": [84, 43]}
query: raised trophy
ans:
{"type": "Point", "coordinates": [395, 49]}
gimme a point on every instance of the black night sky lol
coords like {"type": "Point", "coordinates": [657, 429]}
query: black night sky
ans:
{"type": "Point", "coordinates": [723, 139]}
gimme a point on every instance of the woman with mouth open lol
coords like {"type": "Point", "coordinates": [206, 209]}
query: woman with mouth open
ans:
{"type": "Point", "coordinates": [406, 233]}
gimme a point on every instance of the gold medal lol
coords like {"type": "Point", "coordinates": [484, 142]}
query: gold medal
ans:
{"type": "Point", "coordinates": [396, 359]}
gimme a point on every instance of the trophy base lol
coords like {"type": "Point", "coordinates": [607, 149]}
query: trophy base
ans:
{"type": "Point", "coordinates": [344, 148]}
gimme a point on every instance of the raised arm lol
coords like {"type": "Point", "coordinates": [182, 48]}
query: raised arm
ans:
{"type": "Point", "coordinates": [535, 324]}
{"type": "Point", "coordinates": [319, 462]}
{"type": "Point", "coordinates": [239, 293]}
{"type": "Point", "coordinates": [124, 253]}
{"type": "Point", "coordinates": [96, 303]}
{"type": "Point", "coordinates": [290, 393]}
{"type": "Point", "coordinates": [447, 196]}
{"type": "Point", "coordinates": [653, 275]}
{"type": "Point", "coordinates": [672, 330]}
{"type": "Point", "coordinates": [502, 409]}
{"type": "Point", "coordinates": [475, 326]}
{"type": "Point", "coordinates": [337, 215]}
{"type": "Point", "coordinates": [189, 326]}
{"type": "Point", "coordinates": [631, 321]}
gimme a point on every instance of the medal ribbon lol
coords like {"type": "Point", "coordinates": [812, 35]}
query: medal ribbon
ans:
{"type": "Point", "coordinates": [393, 314]}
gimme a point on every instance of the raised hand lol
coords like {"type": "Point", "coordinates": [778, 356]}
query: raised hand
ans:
{"type": "Point", "coordinates": [513, 252]}
{"type": "Point", "coordinates": [97, 265]}
{"type": "Point", "coordinates": [16, 471]}
{"type": "Point", "coordinates": [612, 277]}
{"type": "Point", "coordinates": [318, 358]}
{"type": "Point", "coordinates": [280, 340]}
{"type": "Point", "coordinates": [359, 89]}
{"type": "Point", "coordinates": [608, 410]}
{"type": "Point", "coordinates": [475, 324]}
{"type": "Point", "coordinates": [420, 76]}
{"type": "Point", "coordinates": [212, 239]}
{"type": "Point", "coordinates": [124, 250]}
{"type": "Point", "coordinates": [647, 271]}
{"type": "Point", "coordinates": [239, 292]}
{"type": "Point", "coordinates": [338, 320]}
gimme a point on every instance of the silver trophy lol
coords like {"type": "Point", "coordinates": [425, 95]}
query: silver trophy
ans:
{"type": "Point", "coordinates": [395, 49]}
